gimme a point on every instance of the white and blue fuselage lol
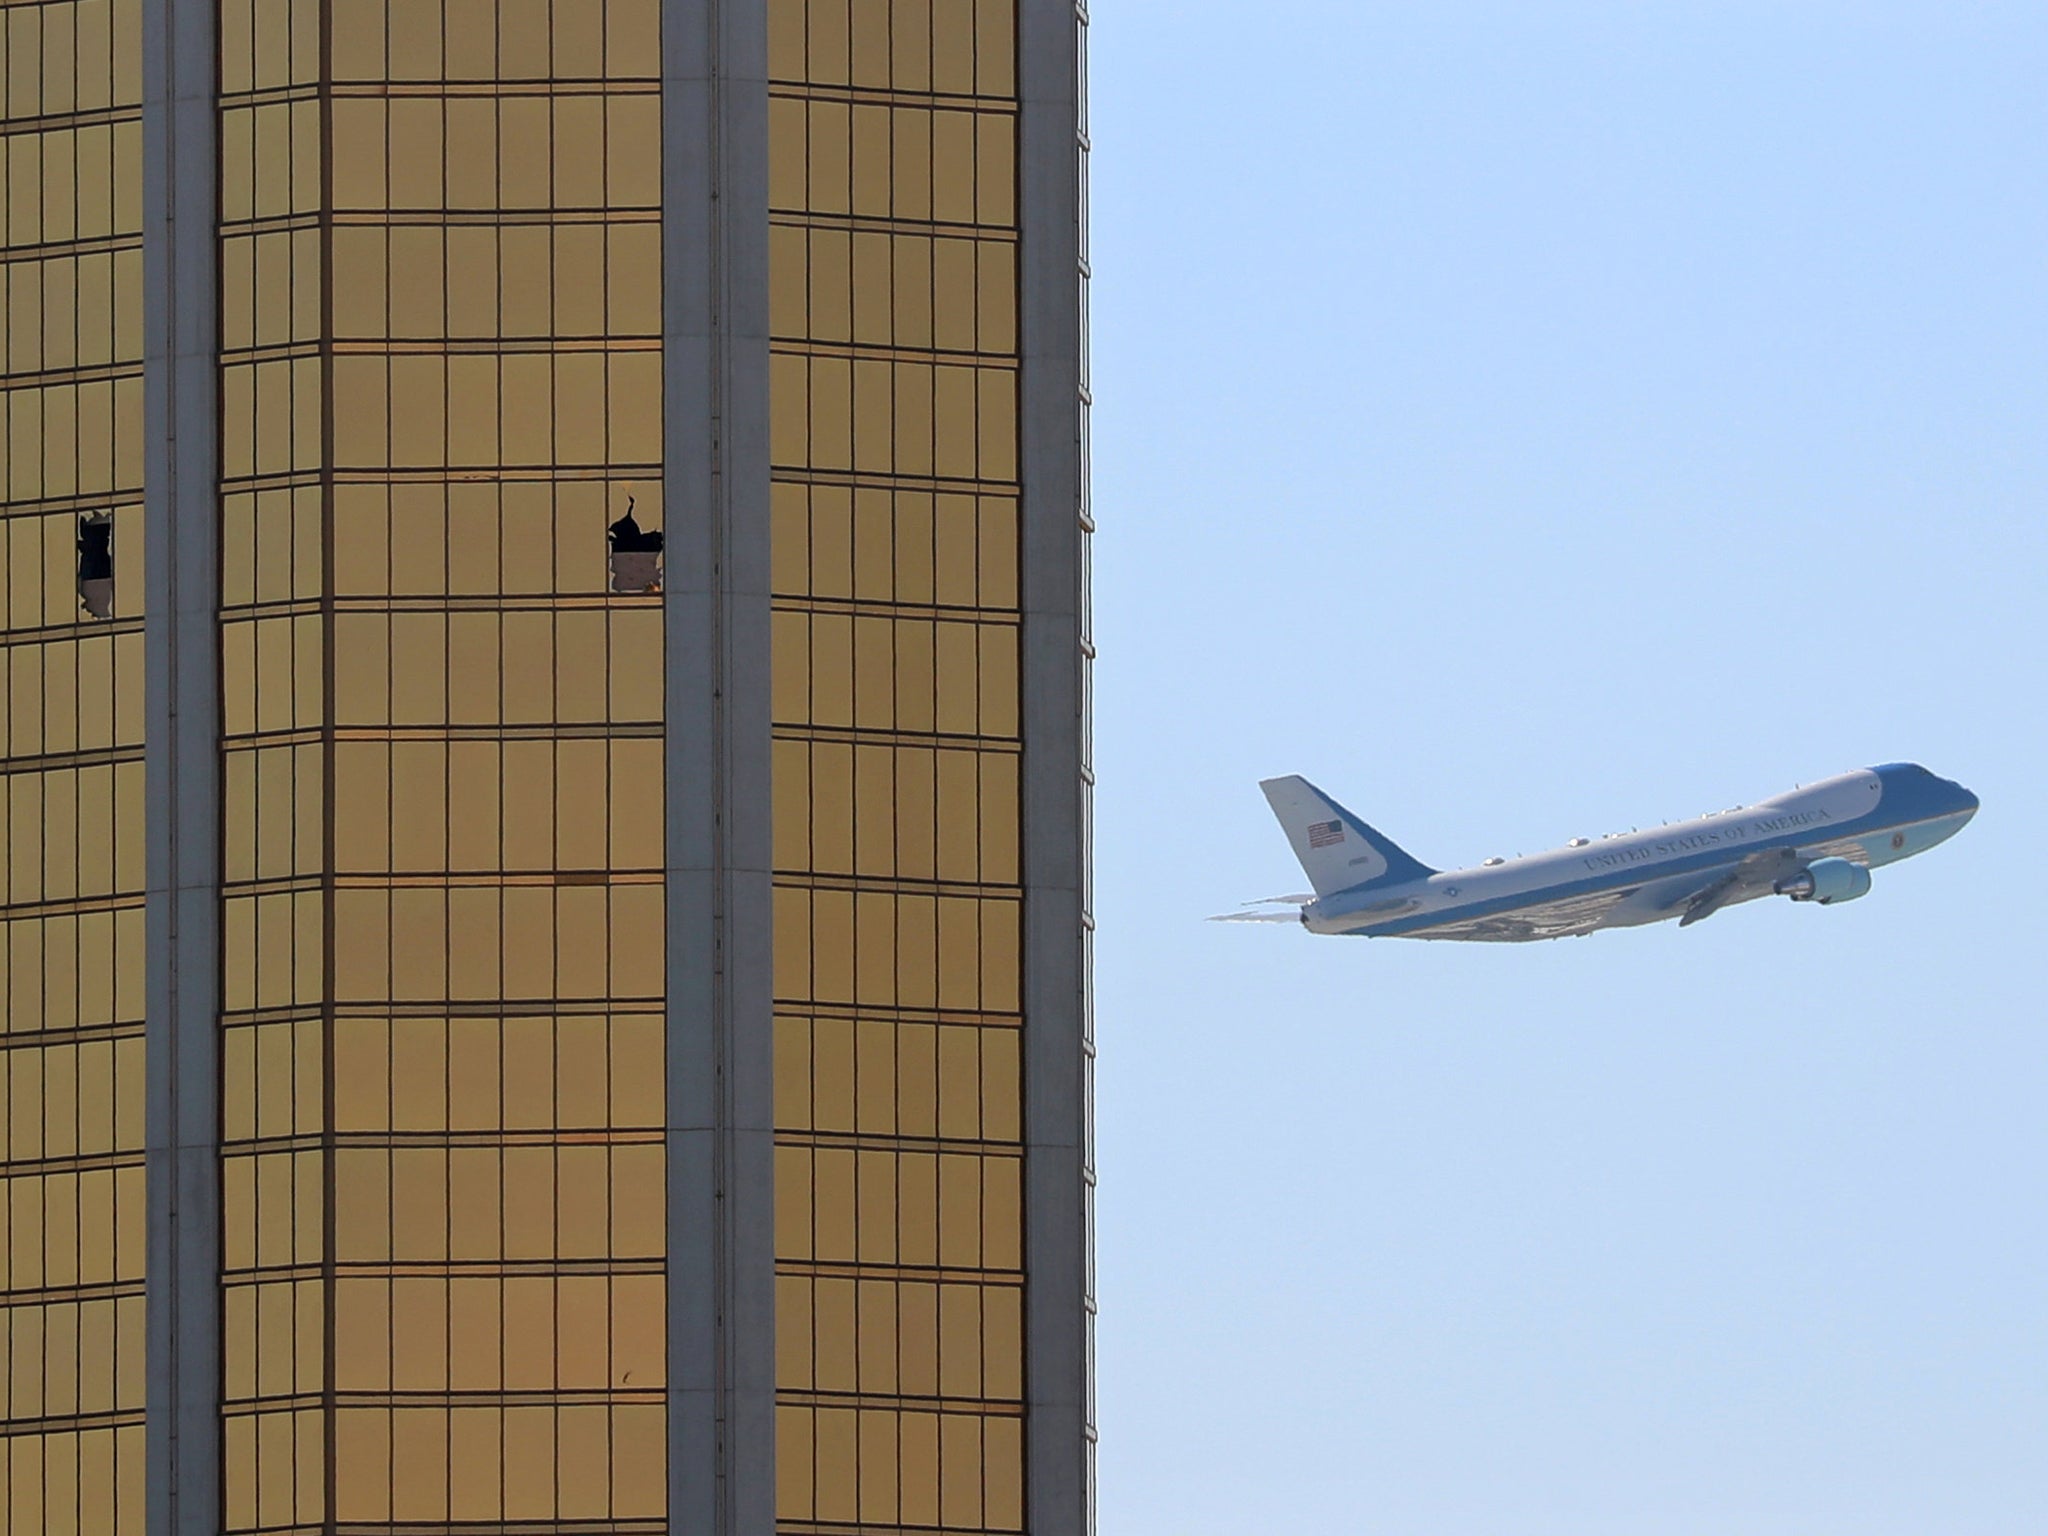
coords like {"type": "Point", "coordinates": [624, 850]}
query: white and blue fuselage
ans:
{"type": "Point", "coordinates": [1816, 843]}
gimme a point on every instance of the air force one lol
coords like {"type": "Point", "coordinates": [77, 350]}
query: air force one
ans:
{"type": "Point", "coordinates": [1818, 843]}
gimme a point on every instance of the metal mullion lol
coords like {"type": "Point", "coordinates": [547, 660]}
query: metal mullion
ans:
{"type": "Point", "coordinates": [604, 274]}
{"type": "Point", "coordinates": [290, 539]}
{"type": "Point", "coordinates": [498, 739]}
{"type": "Point", "coordinates": [447, 1289]}
{"type": "Point", "coordinates": [77, 694]}
{"type": "Point", "coordinates": [554, 1406]}
{"type": "Point", "coordinates": [382, 475]}
{"type": "Point", "coordinates": [554, 1007]}
{"type": "Point", "coordinates": [328, 1289]}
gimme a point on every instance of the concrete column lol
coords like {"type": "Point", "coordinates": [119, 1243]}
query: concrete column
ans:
{"type": "Point", "coordinates": [720, 898]}
{"type": "Point", "coordinates": [1058, 1019]}
{"type": "Point", "coordinates": [182, 713]}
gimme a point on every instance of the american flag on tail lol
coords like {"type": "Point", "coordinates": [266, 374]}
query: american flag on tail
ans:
{"type": "Point", "coordinates": [1325, 834]}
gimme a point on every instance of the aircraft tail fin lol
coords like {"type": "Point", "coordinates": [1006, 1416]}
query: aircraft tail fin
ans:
{"type": "Point", "coordinates": [1338, 852]}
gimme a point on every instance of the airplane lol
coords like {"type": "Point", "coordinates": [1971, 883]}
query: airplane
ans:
{"type": "Point", "coordinates": [1817, 843]}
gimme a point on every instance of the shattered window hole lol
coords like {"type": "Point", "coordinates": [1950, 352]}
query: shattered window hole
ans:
{"type": "Point", "coordinates": [96, 564]}
{"type": "Point", "coordinates": [636, 554]}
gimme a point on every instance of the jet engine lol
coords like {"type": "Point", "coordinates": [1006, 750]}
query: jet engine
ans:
{"type": "Point", "coordinates": [1827, 881]}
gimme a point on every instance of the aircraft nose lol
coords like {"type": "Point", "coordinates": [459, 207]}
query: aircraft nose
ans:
{"type": "Point", "coordinates": [1966, 803]}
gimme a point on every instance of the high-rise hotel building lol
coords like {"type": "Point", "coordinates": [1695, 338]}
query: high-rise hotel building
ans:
{"type": "Point", "coordinates": [544, 804]}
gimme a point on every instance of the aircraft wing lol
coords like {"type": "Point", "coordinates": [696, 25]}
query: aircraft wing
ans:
{"type": "Point", "coordinates": [1756, 875]}
{"type": "Point", "coordinates": [1567, 916]}
{"type": "Point", "coordinates": [1561, 918]}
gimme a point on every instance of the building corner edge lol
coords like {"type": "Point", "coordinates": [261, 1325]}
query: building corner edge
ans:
{"type": "Point", "coordinates": [1058, 774]}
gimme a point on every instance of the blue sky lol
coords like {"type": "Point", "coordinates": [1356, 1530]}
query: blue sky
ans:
{"type": "Point", "coordinates": [1532, 421]}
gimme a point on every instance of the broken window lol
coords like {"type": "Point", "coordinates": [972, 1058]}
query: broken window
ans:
{"type": "Point", "coordinates": [636, 555]}
{"type": "Point", "coordinates": [96, 564]}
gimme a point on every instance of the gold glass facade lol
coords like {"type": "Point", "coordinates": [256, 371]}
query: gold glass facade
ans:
{"type": "Point", "coordinates": [898, 1103]}
{"type": "Point", "coordinates": [443, 1183]}
{"type": "Point", "coordinates": [444, 1074]}
{"type": "Point", "coordinates": [72, 1218]}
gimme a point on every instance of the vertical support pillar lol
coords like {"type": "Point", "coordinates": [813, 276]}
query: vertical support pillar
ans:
{"type": "Point", "coordinates": [1059, 1045]}
{"type": "Point", "coordinates": [182, 743]}
{"type": "Point", "coordinates": [721, 1267]}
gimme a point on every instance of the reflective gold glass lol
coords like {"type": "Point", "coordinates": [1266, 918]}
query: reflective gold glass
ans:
{"type": "Point", "coordinates": [898, 1083]}
{"type": "Point", "coordinates": [443, 820]}
{"type": "Point", "coordinates": [71, 804]}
